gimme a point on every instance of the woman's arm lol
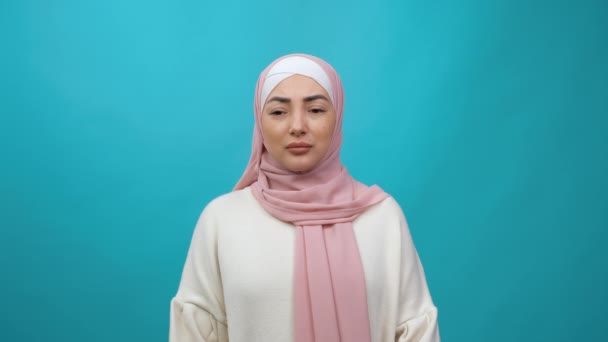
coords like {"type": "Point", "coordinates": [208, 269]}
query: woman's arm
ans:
{"type": "Point", "coordinates": [197, 311]}
{"type": "Point", "coordinates": [417, 315]}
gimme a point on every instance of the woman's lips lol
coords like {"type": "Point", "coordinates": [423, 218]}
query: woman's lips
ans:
{"type": "Point", "coordinates": [298, 148]}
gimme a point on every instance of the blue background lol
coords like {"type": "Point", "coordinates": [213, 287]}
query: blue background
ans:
{"type": "Point", "coordinates": [486, 120]}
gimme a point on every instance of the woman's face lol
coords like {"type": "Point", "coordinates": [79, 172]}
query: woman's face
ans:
{"type": "Point", "coordinates": [298, 121]}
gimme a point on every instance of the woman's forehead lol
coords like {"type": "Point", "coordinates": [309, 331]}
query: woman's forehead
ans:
{"type": "Point", "coordinates": [291, 66]}
{"type": "Point", "coordinates": [299, 86]}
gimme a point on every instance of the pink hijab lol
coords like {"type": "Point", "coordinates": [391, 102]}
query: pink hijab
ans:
{"type": "Point", "coordinates": [330, 297]}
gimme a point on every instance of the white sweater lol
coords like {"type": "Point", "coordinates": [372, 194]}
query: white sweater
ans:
{"type": "Point", "coordinates": [237, 281]}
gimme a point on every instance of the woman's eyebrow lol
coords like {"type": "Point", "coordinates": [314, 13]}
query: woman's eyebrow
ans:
{"type": "Point", "coordinates": [315, 97]}
{"type": "Point", "coordinates": [280, 99]}
{"type": "Point", "coordinates": [306, 99]}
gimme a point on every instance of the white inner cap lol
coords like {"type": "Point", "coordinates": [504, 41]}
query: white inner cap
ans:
{"type": "Point", "coordinates": [291, 66]}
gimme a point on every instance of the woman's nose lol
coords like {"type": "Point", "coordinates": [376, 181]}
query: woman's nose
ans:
{"type": "Point", "coordinates": [298, 123]}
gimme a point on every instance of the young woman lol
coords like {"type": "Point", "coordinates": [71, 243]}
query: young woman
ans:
{"type": "Point", "coordinates": [300, 251]}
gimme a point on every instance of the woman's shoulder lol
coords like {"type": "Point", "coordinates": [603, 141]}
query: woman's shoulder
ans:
{"type": "Point", "coordinates": [388, 207]}
{"type": "Point", "coordinates": [382, 221]}
{"type": "Point", "coordinates": [229, 201]}
{"type": "Point", "coordinates": [388, 204]}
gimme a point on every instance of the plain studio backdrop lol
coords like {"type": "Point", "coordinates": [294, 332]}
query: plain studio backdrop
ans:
{"type": "Point", "coordinates": [486, 120]}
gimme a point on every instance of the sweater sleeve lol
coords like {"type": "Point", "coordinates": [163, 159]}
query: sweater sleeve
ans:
{"type": "Point", "coordinates": [197, 311]}
{"type": "Point", "coordinates": [417, 314]}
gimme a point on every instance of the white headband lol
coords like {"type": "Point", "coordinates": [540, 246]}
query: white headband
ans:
{"type": "Point", "coordinates": [291, 66]}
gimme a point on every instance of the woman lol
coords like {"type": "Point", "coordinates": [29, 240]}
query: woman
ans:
{"type": "Point", "coordinates": [300, 251]}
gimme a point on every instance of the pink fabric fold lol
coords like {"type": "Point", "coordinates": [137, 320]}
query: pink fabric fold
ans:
{"type": "Point", "coordinates": [330, 297]}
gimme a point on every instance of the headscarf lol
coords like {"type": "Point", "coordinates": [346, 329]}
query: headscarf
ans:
{"type": "Point", "coordinates": [330, 299]}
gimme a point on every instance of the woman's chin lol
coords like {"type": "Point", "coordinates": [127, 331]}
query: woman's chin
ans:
{"type": "Point", "coordinates": [300, 167]}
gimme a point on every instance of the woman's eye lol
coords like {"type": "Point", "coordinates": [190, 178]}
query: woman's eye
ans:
{"type": "Point", "coordinates": [317, 110]}
{"type": "Point", "coordinates": [277, 112]}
